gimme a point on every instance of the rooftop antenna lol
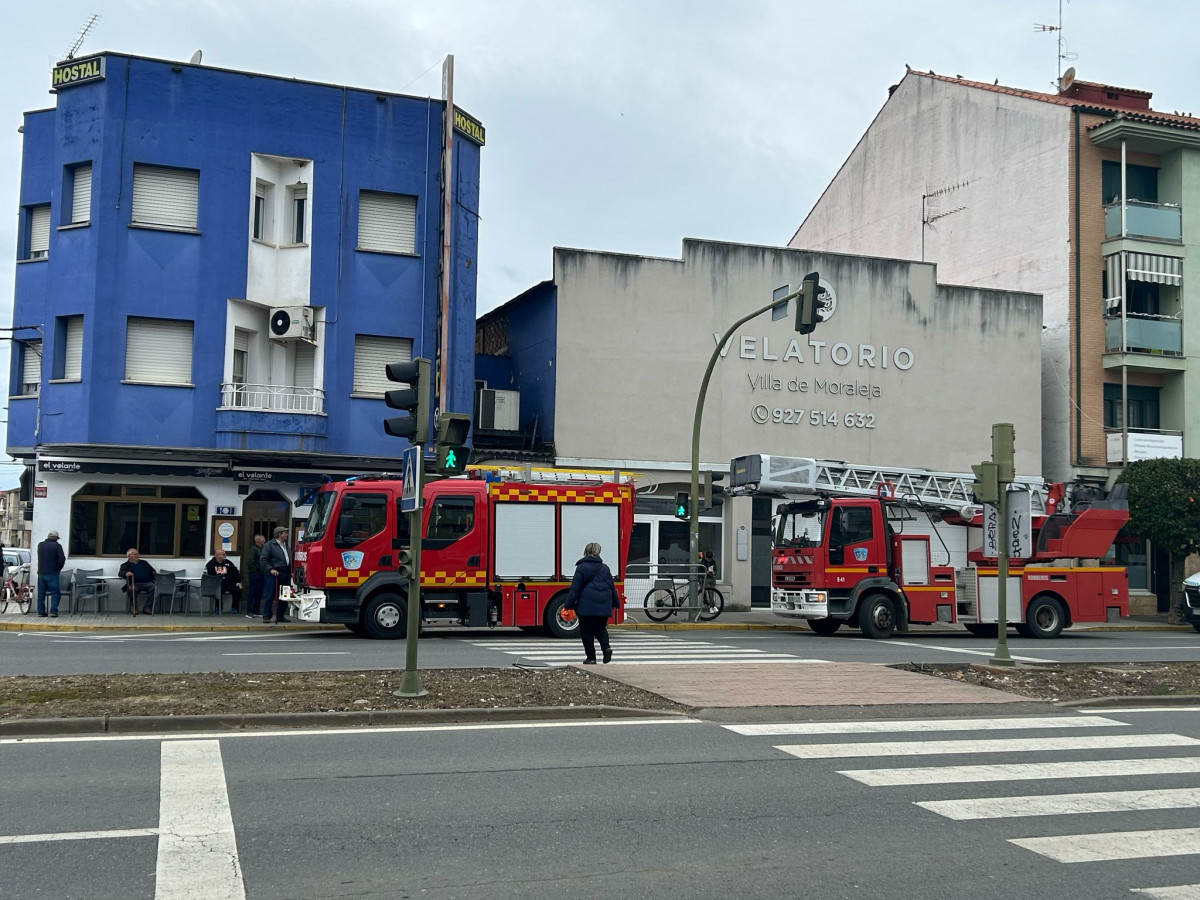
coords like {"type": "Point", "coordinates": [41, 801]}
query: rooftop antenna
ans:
{"type": "Point", "coordinates": [930, 215]}
{"type": "Point", "coordinates": [83, 33]}
{"type": "Point", "coordinates": [1064, 53]}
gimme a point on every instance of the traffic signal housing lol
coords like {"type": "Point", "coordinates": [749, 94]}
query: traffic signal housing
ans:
{"type": "Point", "coordinates": [682, 505]}
{"type": "Point", "coordinates": [452, 454]}
{"type": "Point", "coordinates": [986, 487]}
{"type": "Point", "coordinates": [405, 569]}
{"type": "Point", "coordinates": [807, 306]}
{"type": "Point", "coordinates": [414, 399]}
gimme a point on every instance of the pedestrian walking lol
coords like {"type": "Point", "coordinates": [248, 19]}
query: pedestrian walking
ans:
{"type": "Point", "coordinates": [276, 565]}
{"type": "Point", "coordinates": [254, 593]}
{"type": "Point", "coordinates": [593, 596]}
{"type": "Point", "coordinates": [51, 560]}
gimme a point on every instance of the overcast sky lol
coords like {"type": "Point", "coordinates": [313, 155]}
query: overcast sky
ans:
{"type": "Point", "coordinates": [621, 125]}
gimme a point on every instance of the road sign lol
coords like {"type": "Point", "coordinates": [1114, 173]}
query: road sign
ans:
{"type": "Point", "coordinates": [410, 492]}
{"type": "Point", "coordinates": [992, 531]}
{"type": "Point", "coordinates": [1019, 526]}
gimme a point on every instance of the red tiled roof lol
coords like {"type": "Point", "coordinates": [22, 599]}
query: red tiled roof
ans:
{"type": "Point", "coordinates": [1152, 116]}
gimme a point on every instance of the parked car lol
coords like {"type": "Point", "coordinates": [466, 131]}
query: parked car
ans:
{"type": "Point", "coordinates": [15, 556]}
{"type": "Point", "coordinates": [1191, 600]}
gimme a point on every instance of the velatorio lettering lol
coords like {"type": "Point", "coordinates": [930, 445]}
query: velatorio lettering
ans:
{"type": "Point", "coordinates": [867, 356]}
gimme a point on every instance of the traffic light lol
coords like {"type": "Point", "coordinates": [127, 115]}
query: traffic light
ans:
{"type": "Point", "coordinates": [414, 399]}
{"type": "Point", "coordinates": [807, 306]}
{"type": "Point", "coordinates": [405, 567]}
{"type": "Point", "coordinates": [682, 505]}
{"type": "Point", "coordinates": [451, 453]}
{"type": "Point", "coordinates": [987, 484]}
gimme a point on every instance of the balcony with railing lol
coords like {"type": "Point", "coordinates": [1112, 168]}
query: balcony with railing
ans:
{"type": "Point", "coordinates": [272, 398]}
{"type": "Point", "coordinates": [1145, 336]}
{"type": "Point", "coordinates": [1156, 221]}
{"type": "Point", "coordinates": [271, 417]}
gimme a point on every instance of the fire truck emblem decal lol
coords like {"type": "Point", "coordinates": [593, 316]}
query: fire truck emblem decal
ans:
{"type": "Point", "coordinates": [352, 560]}
{"type": "Point", "coordinates": [860, 554]}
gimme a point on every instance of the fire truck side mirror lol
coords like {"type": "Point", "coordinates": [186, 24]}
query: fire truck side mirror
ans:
{"type": "Point", "coordinates": [405, 560]}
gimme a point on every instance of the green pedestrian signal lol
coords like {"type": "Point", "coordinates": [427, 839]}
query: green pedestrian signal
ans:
{"type": "Point", "coordinates": [682, 505]}
{"type": "Point", "coordinates": [452, 460]}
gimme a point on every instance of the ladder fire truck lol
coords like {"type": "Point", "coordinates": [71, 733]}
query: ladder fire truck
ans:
{"type": "Point", "coordinates": [498, 548]}
{"type": "Point", "coordinates": [849, 549]}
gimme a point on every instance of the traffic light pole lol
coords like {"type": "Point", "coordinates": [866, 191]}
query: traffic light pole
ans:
{"type": "Point", "coordinates": [694, 494]}
{"type": "Point", "coordinates": [1003, 455]}
{"type": "Point", "coordinates": [410, 684]}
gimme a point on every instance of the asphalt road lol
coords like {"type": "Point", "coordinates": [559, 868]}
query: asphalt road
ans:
{"type": "Point", "coordinates": [1074, 806]}
{"type": "Point", "coordinates": [63, 653]}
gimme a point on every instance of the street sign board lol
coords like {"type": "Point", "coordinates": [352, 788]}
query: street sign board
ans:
{"type": "Point", "coordinates": [992, 532]}
{"type": "Point", "coordinates": [1019, 527]}
{"type": "Point", "coordinates": [779, 295]}
{"type": "Point", "coordinates": [410, 492]}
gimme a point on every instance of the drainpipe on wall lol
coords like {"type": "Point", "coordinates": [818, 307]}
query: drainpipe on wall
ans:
{"type": "Point", "coordinates": [1078, 341]}
{"type": "Point", "coordinates": [1124, 324]}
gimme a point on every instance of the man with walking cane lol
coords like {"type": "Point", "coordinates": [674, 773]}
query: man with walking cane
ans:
{"type": "Point", "coordinates": [276, 566]}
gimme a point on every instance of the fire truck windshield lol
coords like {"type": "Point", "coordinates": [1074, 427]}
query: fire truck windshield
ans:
{"type": "Point", "coordinates": [799, 525]}
{"type": "Point", "coordinates": [318, 519]}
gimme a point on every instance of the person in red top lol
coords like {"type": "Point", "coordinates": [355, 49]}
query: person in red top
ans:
{"type": "Point", "coordinates": [231, 578]}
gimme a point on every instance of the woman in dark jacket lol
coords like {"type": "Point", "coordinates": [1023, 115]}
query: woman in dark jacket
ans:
{"type": "Point", "coordinates": [593, 597]}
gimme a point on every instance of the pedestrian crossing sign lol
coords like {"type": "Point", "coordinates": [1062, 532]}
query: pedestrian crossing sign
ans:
{"type": "Point", "coordinates": [410, 491]}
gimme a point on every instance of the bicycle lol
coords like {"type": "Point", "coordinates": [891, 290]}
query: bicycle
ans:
{"type": "Point", "coordinates": [662, 602]}
{"type": "Point", "coordinates": [16, 591]}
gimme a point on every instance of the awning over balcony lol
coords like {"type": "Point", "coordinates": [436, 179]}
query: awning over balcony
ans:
{"type": "Point", "coordinates": [1142, 267]}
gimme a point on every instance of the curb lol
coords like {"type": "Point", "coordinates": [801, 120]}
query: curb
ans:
{"type": "Point", "coordinates": [19, 728]}
{"type": "Point", "coordinates": [705, 626]}
{"type": "Point", "coordinates": [1144, 700]}
{"type": "Point", "coordinates": [34, 626]}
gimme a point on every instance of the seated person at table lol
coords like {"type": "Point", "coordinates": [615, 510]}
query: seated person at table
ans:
{"type": "Point", "coordinates": [231, 583]}
{"type": "Point", "coordinates": [139, 579]}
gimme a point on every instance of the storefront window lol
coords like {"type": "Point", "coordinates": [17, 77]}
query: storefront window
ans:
{"type": "Point", "coordinates": [158, 521]}
{"type": "Point", "coordinates": [638, 564]}
{"type": "Point", "coordinates": [673, 543]}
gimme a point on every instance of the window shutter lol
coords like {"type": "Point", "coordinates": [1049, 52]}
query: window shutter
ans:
{"type": "Point", "coordinates": [158, 351]}
{"type": "Point", "coordinates": [81, 195]}
{"type": "Point", "coordinates": [165, 196]}
{"type": "Point", "coordinates": [39, 232]}
{"type": "Point", "coordinates": [31, 367]}
{"type": "Point", "coordinates": [241, 339]}
{"type": "Point", "coordinates": [304, 365]}
{"type": "Point", "coordinates": [371, 356]}
{"type": "Point", "coordinates": [387, 222]}
{"type": "Point", "coordinates": [73, 349]}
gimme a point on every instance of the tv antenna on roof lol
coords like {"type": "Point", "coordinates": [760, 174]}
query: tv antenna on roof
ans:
{"type": "Point", "coordinates": [83, 33]}
{"type": "Point", "coordinates": [1064, 54]}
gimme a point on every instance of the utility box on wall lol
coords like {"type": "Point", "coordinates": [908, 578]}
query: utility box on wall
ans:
{"type": "Point", "coordinates": [499, 410]}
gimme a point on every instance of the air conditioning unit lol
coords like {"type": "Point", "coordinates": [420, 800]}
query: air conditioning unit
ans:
{"type": "Point", "coordinates": [499, 410]}
{"type": "Point", "coordinates": [292, 323]}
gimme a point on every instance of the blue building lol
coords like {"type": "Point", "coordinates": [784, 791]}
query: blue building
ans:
{"type": "Point", "coordinates": [214, 268]}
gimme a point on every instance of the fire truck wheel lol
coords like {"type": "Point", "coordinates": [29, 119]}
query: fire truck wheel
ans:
{"type": "Point", "coordinates": [1044, 617]}
{"type": "Point", "coordinates": [877, 616]}
{"type": "Point", "coordinates": [561, 622]}
{"type": "Point", "coordinates": [384, 617]}
{"type": "Point", "coordinates": [982, 629]}
{"type": "Point", "coordinates": [824, 627]}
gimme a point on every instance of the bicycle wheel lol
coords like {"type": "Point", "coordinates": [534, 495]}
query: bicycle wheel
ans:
{"type": "Point", "coordinates": [25, 599]}
{"type": "Point", "coordinates": [660, 604]}
{"type": "Point", "coordinates": [711, 604]}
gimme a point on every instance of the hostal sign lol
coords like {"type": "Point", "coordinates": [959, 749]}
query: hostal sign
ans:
{"type": "Point", "coordinates": [77, 71]}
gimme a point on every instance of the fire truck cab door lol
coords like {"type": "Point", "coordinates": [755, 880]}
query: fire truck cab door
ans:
{"type": "Point", "coordinates": [853, 541]}
{"type": "Point", "coordinates": [453, 538]}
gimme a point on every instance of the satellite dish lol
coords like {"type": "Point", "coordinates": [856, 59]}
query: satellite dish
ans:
{"type": "Point", "coordinates": [1068, 79]}
{"type": "Point", "coordinates": [199, 55]}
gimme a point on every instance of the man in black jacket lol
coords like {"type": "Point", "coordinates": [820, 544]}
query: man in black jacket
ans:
{"type": "Point", "coordinates": [51, 560]}
{"type": "Point", "coordinates": [276, 564]}
{"type": "Point", "coordinates": [231, 579]}
{"type": "Point", "coordinates": [139, 579]}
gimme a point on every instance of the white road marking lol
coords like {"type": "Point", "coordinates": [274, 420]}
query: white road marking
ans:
{"type": "Point", "coordinates": [77, 835]}
{"type": "Point", "coordinates": [999, 745]}
{"type": "Point", "coordinates": [943, 649]}
{"type": "Point", "coordinates": [900, 725]}
{"type": "Point", "coordinates": [1156, 709]}
{"type": "Point", "coordinates": [1121, 648]}
{"type": "Point", "coordinates": [710, 661]}
{"type": "Point", "coordinates": [293, 653]}
{"type": "Point", "coordinates": [368, 729]}
{"type": "Point", "coordinates": [1111, 845]}
{"type": "Point", "coordinates": [1101, 768]}
{"type": "Point", "coordinates": [1176, 892]}
{"type": "Point", "coordinates": [197, 848]}
{"type": "Point", "coordinates": [1063, 804]}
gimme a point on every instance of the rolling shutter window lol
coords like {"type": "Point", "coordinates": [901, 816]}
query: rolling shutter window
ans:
{"type": "Point", "coordinates": [39, 232]}
{"type": "Point", "coordinates": [387, 222]}
{"type": "Point", "coordinates": [241, 340]}
{"type": "Point", "coordinates": [73, 349]}
{"type": "Point", "coordinates": [31, 367]}
{"type": "Point", "coordinates": [166, 197]}
{"type": "Point", "coordinates": [81, 195]}
{"type": "Point", "coordinates": [158, 351]}
{"type": "Point", "coordinates": [304, 366]}
{"type": "Point", "coordinates": [371, 356]}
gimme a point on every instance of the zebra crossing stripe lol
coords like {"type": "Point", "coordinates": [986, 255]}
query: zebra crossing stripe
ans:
{"type": "Point", "coordinates": [907, 725]}
{"type": "Point", "coordinates": [1102, 768]}
{"type": "Point", "coordinates": [1063, 804]}
{"type": "Point", "coordinates": [1106, 846]}
{"type": "Point", "coordinates": [1000, 745]}
{"type": "Point", "coordinates": [1176, 892]}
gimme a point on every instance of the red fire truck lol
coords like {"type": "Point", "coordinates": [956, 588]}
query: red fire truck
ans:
{"type": "Point", "coordinates": [498, 548]}
{"type": "Point", "coordinates": [878, 548]}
